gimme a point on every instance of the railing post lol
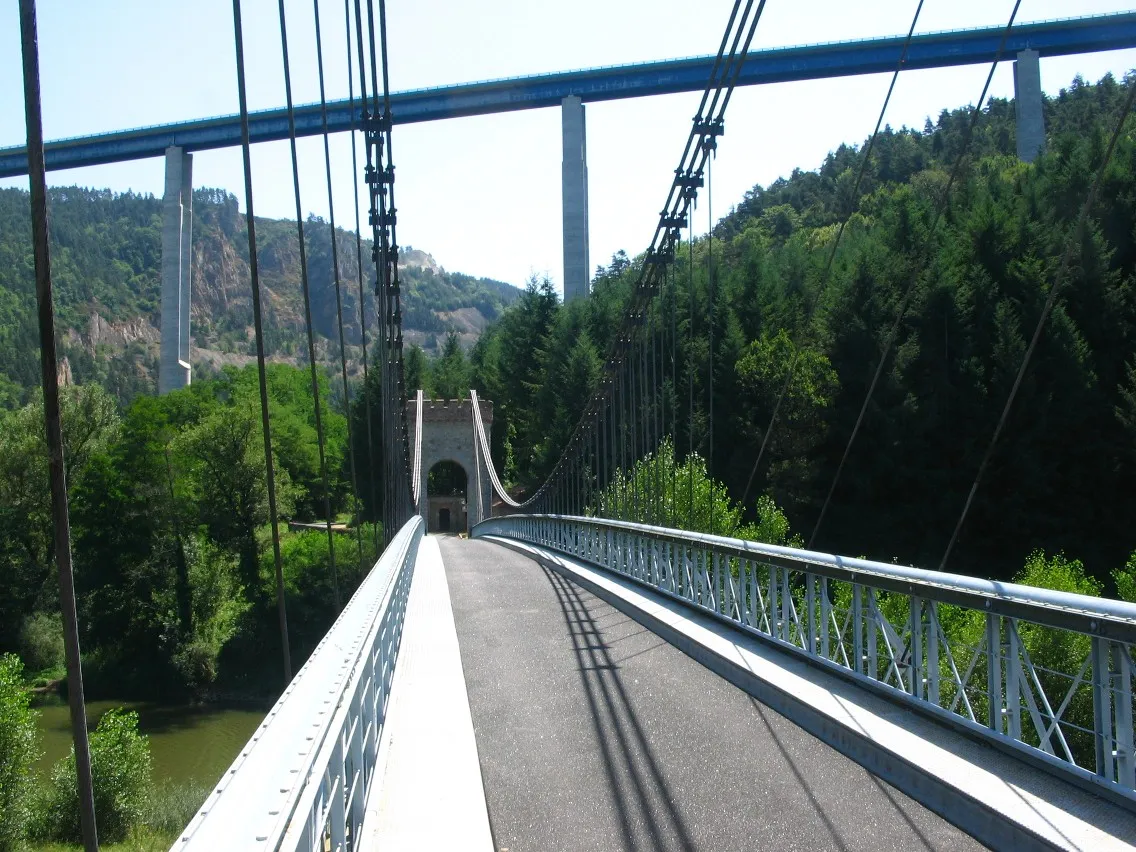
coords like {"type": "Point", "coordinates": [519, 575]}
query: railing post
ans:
{"type": "Point", "coordinates": [825, 617]}
{"type": "Point", "coordinates": [858, 629]}
{"type": "Point", "coordinates": [1013, 668]}
{"type": "Point", "coordinates": [994, 672]}
{"type": "Point", "coordinates": [872, 625]}
{"type": "Point", "coordinates": [1102, 707]}
{"type": "Point", "coordinates": [810, 594]}
{"type": "Point", "coordinates": [717, 592]}
{"type": "Point", "coordinates": [915, 641]}
{"type": "Point", "coordinates": [786, 607]}
{"type": "Point", "coordinates": [359, 799]}
{"type": "Point", "coordinates": [1125, 760]}
{"type": "Point", "coordinates": [708, 590]}
{"type": "Point", "coordinates": [933, 652]}
{"type": "Point", "coordinates": [751, 573]}
{"type": "Point", "coordinates": [337, 789]}
{"type": "Point", "coordinates": [774, 626]}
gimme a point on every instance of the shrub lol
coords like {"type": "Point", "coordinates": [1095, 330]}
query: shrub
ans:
{"type": "Point", "coordinates": [173, 805]}
{"type": "Point", "coordinates": [41, 641]}
{"type": "Point", "coordinates": [17, 752]}
{"type": "Point", "coordinates": [218, 604]}
{"type": "Point", "coordinates": [1125, 579]}
{"type": "Point", "coordinates": [120, 769]}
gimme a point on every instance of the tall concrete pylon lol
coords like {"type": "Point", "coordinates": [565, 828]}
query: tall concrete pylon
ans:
{"type": "Point", "coordinates": [1028, 106]}
{"type": "Point", "coordinates": [177, 271]}
{"type": "Point", "coordinates": [574, 196]}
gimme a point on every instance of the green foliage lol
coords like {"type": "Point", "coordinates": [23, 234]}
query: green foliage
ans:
{"type": "Point", "coordinates": [218, 605]}
{"type": "Point", "coordinates": [449, 374]}
{"type": "Point", "coordinates": [90, 424]}
{"type": "Point", "coordinates": [1125, 579]}
{"type": "Point", "coordinates": [416, 372]}
{"type": "Point", "coordinates": [17, 754]}
{"type": "Point", "coordinates": [41, 641]}
{"type": "Point", "coordinates": [977, 286]}
{"type": "Point", "coordinates": [169, 510]}
{"type": "Point", "coordinates": [308, 580]}
{"type": "Point", "coordinates": [170, 807]}
{"type": "Point", "coordinates": [227, 481]}
{"type": "Point", "coordinates": [661, 491]}
{"type": "Point", "coordinates": [120, 776]}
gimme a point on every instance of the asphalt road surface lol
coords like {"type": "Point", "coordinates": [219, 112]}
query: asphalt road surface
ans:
{"type": "Point", "coordinates": [595, 734]}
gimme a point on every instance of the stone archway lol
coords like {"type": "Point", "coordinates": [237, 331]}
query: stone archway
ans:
{"type": "Point", "coordinates": [448, 435]}
{"type": "Point", "coordinates": [447, 490]}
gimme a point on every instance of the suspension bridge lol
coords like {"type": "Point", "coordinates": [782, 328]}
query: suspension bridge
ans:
{"type": "Point", "coordinates": [586, 671]}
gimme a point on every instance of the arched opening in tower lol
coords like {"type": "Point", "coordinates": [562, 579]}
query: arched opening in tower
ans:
{"type": "Point", "coordinates": [446, 490]}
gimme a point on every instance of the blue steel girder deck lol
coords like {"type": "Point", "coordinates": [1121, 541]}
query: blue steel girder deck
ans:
{"type": "Point", "coordinates": [778, 65]}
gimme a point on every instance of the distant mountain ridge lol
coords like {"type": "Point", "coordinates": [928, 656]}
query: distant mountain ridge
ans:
{"type": "Point", "coordinates": [106, 262]}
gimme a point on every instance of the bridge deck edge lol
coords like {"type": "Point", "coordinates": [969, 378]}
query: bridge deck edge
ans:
{"type": "Point", "coordinates": [430, 795]}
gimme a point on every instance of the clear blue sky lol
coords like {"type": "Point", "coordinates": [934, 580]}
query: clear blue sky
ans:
{"type": "Point", "coordinates": [483, 194]}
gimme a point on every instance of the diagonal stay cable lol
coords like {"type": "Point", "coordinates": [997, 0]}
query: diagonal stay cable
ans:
{"type": "Point", "coordinates": [304, 285]}
{"type": "Point", "coordinates": [822, 285]}
{"type": "Point", "coordinates": [338, 289]}
{"type": "Point", "coordinates": [258, 331]}
{"type": "Point", "coordinates": [920, 268]}
{"type": "Point", "coordinates": [1059, 282]}
{"type": "Point", "coordinates": [367, 395]}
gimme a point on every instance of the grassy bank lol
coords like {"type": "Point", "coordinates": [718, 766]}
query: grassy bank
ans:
{"type": "Point", "coordinates": [168, 810]}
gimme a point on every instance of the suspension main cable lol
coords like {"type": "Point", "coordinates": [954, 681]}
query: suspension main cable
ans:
{"type": "Point", "coordinates": [416, 481]}
{"type": "Point", "coordinates": [707, 123]}
{"type": "Point", "coordinates": [822, 286]}
{"type": "Point", "coordinates": [479, 427]}
{"type": "Point", "coordinates": [920, 268]}
{"type": "Point", "coordinates": [1059, 282]}
{"type": "Point", "coordinates": [338, 293]}
{"type": "Point", "coordinates": [368, 402]}
{"type": "Point", "coordinates": [396, 293]}
{"type": "Point", "coordinates": [308, 303]}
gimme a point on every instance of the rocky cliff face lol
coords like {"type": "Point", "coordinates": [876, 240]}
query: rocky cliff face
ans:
{"type": "Point", "coordinates": [107, 263]}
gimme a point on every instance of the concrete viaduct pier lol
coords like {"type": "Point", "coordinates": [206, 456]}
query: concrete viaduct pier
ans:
{"type": "Point", "coordinates": [174, 369]}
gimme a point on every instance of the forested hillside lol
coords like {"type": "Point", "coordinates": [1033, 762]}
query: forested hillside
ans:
{"type": "Point", "coordinates": [106, 260]}
{"type": "Point", "coordinates": [1062, 479]}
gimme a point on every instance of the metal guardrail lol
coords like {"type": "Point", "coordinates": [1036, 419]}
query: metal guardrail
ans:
{"type": "Point", "coordinates": [1045, 674]}
{"type": "Point", "coordinates": [302, 781]}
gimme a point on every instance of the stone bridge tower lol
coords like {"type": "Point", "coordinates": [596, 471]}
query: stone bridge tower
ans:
{"type": "Point", "coordinates": [449, 434]}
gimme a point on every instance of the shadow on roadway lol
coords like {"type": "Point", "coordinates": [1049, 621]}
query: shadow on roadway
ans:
{"type": "Point", "coordinates": [637, 782]}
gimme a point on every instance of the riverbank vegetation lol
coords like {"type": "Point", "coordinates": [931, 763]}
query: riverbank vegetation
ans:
{"type": "Point", "coordinates": [42, 813]}
{"type": "Point", "coordinates": [174, 575]}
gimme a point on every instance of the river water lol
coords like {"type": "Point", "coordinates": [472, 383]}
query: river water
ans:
{"type": "Point", "coordinates": [188, 743]}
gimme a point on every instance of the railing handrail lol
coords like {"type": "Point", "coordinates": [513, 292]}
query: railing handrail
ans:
{"type": "Point", "coordinates": [276, 769]}
{"type": "Point", "coordinates": [1086, 614]}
